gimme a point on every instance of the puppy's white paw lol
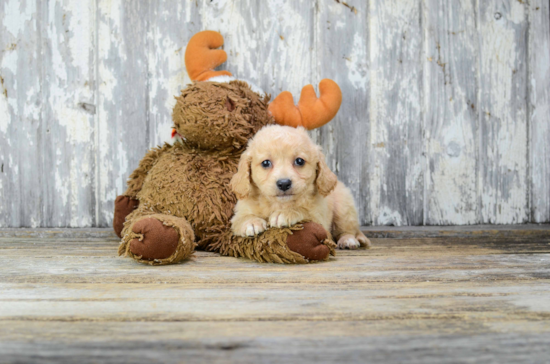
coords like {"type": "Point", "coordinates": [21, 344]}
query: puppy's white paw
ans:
{"type": "Point", "coordinates": [348, 241]}
{"type": "Point", "coordinates": [363, 240]}
{"type": "Point", "coordinates": [282, 219]}
{"type": "Point", "coordinates": [252, 227]}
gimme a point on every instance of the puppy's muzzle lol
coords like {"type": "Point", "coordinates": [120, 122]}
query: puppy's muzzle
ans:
{"type": "Point", "coordinates": [284, 184]}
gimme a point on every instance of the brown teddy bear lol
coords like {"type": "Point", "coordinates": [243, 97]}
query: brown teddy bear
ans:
{"type": "Point", "coordinates": [180, 198]}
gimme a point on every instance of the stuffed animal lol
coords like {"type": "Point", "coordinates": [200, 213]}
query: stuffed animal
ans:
{"type": "Point", "coordinates": [179, 198]}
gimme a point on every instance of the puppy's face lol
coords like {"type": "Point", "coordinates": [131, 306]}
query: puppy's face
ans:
{"type": "Point", "coordinates": [283, 163]}
{"type": "Point", "coordinates": [284, 166]}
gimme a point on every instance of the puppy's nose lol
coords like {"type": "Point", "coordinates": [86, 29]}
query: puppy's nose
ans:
{"type": "Point", "coordinates": [284, 184]}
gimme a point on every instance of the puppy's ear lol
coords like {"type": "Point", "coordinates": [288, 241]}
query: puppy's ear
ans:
{"type": "Point", "coordinates": [326, 180]}
{"type": "Point", "coordinates": [240, 183]}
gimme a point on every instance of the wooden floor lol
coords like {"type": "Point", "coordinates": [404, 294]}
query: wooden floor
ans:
{"type": "Point", "coordinates": [457, 295]}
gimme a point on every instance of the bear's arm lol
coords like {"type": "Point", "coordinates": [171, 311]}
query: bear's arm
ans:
{"type": "Point", "coordinates": [135, 181]}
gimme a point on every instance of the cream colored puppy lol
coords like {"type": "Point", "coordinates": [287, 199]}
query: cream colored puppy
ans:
{"type": "Point", "coordinates": [283, 179]}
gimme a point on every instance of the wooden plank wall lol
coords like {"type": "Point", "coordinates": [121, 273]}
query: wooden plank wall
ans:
{"type": "Point", "coordinates": [445, 119]}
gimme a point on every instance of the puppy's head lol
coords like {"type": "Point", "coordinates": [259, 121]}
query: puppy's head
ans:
{"type": "Point", "coordinates": [282, 163]}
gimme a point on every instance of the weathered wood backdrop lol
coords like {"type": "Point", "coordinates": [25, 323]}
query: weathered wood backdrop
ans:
{"type": "Point", "coordinates": [445, 118]}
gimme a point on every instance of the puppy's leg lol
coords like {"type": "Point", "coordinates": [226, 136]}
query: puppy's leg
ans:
{"type": "Point", "coordinates": [245, 222]}
{"type": "Point", "coordinates": [348, 241]}
{"type": "Point", "coordinates": [248, 225]}
{"type": "Point", "coordinates": [285, 218]}
{"type": "Point", "coordinates": [345, 220]}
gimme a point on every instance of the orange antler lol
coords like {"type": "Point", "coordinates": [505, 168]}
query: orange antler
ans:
{"type": "Point", "coordinates": [201, 56]}
{"type": "Point", "coordinates": [311, 112]}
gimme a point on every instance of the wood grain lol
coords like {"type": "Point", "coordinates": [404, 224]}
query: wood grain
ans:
{"type": "Point", "coordinates": [123, 93]}
{"type": "Point", "coordinates": [68, 114]}
{"type": "Point", "coordinates": [481, 259]}
{"type": "Point", "coordinates": [428, 300]}
{"type": "Point", "coordinates": [170, 26]}
{"type": "Point", "coordinates": [397, 163]}
{"type": "Point", "coordinates": [397, 232]}
{"type": "Point", "coordinates": [451, 120]}
{"type": "Point", "coordinates": [231, 343]}
{"type": "Point", "coordinates": [272, 302]}
{"type": "Point", "coordinates": [539, 109]}
{"type": "Point", "coordinates": [342, 53]}
{"type": "Point", "coordinates": [502, 166]}
{"type": "Point", "coordinates": [288, 28]}
{"type": "Point", "coordinates": [21, 103]}
{"type": "Point", "coordinates": [444, 118]}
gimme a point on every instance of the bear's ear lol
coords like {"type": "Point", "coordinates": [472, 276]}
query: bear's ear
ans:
{"type": "Point", "coordinates": [311, 112]}
{"type": "Point", "coordinates": [326, 180]}
{"type": "Point", "coordinates": [240, 183]}
{"type": "Point", "coordinates": [201, 56]}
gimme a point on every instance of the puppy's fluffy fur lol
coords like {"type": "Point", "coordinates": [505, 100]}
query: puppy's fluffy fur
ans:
{"type": "Point", "coordinates": [315, 193]}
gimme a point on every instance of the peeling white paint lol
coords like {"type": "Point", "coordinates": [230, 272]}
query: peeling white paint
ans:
{"type": "Point", "coordinates": [8, 65]}
{"type": "Point", "coordinates": [111, 11]}
{"type": "Point", "coordinates": [289, 35]}
{"type": "Point", "coordinates": [281, 45]}
{"type": "Point", "coordinates": [58, 61]}
{"type": "Point", "coordinates": [451, 119]}
{"type": "Point", "coordinates": [35, 222]}
{"type": "Point", "coordinates": [16, 18]}
{"type": "Point", "coordinates": [107, 84]}
{"type": "Point", "coordinates": [504, 195]}
{"type": "Point", "coordinates": [357, 66]}
{"type": "Point", "coordinates": [69, 110]}
{"type": "Point", "coordinates": [395, 181]}
{"type": "Point", "coordinates": [76, 122]}
{"type": "Point", "coordinates": [387, 216]}
{"type": "Point", "coordinates": [9, 61]}
{"type": "Point", "coordinates": [539, 109]}
{"type": "Point", "coordinates": [61, 187]}
{"type": "Point", "coordinates": [172, 82]}
{"type": "Point", "coordinates": [222, 16]}
{"type": "Point", "coordinates": [4, 115]}
{"type": "Point", "coordinates": [123, 171]}
{"type": "Point", "coordinates": [517, 12]}
{"type": "Point", "coordinates": [82, 30]}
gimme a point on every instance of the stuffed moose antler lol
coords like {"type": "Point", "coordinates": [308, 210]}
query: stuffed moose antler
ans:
{"type": "Point", "coordinates": [201, 57]}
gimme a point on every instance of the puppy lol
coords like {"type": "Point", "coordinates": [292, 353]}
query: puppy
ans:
{"type": "Point", "coordinates": [283, 179]}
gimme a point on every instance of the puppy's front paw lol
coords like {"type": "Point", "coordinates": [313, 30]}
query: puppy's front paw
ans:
{"type": "Point", "coordinates": [282, 219]}
{"type": "Point", "coordinates": [348, 241]}
{"type": "Point", "coordinates": [251, 227]}
{"type": "Point", "coordinates": [363, 240]}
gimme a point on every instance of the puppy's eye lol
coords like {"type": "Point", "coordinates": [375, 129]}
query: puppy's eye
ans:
{"type": "Point", "coordinates": [266, 163]}
{"type": "Point", "coordinates": [299, 162]}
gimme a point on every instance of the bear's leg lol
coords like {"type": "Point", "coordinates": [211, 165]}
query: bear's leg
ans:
{"type": "Point", "coordinates": [157, 239]}
{"type": "Point", "coordinates": [124, 206]}
{"type": "Point", "coordinates": [299, 244]}
{"type": "Point", "coordinates": [312, 242]}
